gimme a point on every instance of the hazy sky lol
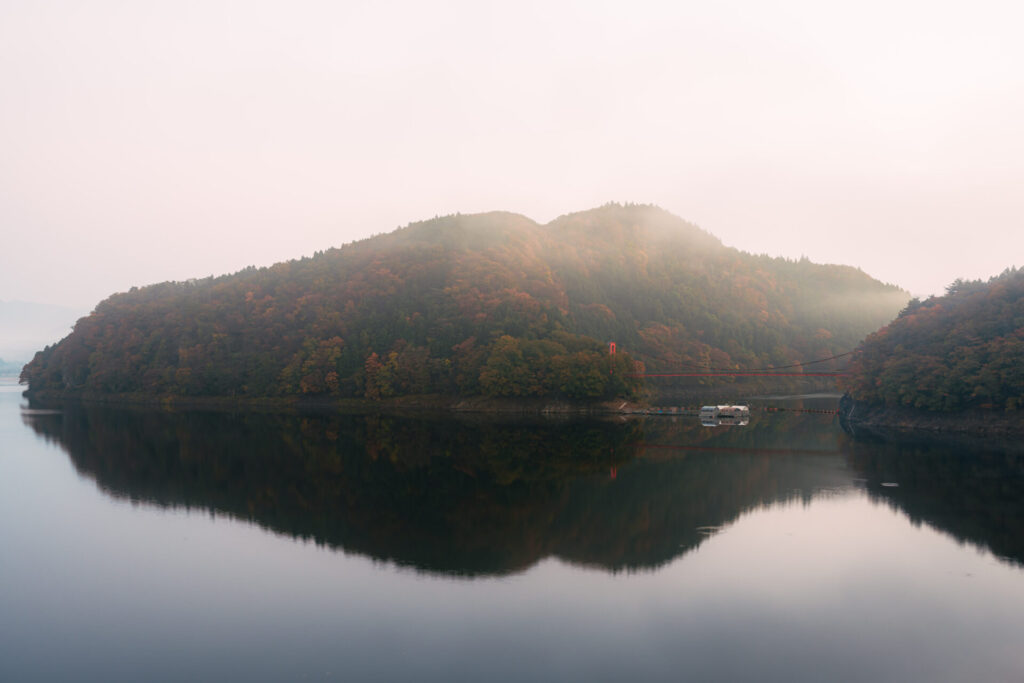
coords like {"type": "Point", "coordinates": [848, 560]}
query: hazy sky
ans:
{"type": "Point", "coordinates": [143, 141]}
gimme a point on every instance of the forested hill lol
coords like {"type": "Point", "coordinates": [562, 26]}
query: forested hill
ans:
{"type": "Point", "coordinates": [959, 351]}
{"type": "Point", "coordinates": [491, 304]}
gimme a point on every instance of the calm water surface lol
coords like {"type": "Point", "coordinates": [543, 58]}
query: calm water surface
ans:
{"type": "Point", "coordinates": [137, 545]}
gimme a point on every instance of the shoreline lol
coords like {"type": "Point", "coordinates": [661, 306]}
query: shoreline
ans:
{"type": "Point", "coordinates": [857, 416]}
{"type": "Point", "coordinates": [424, 404]}
{"type": "Point", "coordinates": [421, 404]}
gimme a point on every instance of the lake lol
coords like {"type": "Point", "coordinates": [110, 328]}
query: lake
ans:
{"type": "Point", "coordinates": [144, 545]}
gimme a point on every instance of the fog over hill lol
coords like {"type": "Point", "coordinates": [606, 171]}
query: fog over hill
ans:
{"type": "Point", "coordinates": [493, 304]}
{"type": "Point", "coordinates": [964, 350]}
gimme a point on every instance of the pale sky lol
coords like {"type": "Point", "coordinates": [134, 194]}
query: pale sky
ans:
{"type": "Point", "coordinates": [143, 141]}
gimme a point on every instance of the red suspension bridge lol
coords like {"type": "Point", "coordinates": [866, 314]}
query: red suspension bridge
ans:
{"type": "Point", "coordinates": [768, 371]}
{"type": "Point", "coordinates": [737, 373]}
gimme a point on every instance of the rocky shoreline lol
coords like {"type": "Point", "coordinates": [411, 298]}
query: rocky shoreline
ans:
{"type": "Point", "coordinates": [857, 416]}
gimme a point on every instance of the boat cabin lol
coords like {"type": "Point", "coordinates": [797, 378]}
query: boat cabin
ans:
{"type": "Point", "coordinates": [714, 416]}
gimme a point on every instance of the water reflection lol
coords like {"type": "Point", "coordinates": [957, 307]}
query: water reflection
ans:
{"type": "Point", "coordinates": [971, 490]}
{"type": "Point", "coordinates": [478, 497]}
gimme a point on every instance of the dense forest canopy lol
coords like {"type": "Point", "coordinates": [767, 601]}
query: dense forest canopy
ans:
{"type": "Point", "coordinates": [492, 304]}
{"type": "Point", "coordinates": [949, 353]}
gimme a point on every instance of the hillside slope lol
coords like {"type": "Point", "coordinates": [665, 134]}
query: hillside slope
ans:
{"type": "Point", "coordinates": [962, 351]}
{"type": "Point", "coordinates": [492, 304]}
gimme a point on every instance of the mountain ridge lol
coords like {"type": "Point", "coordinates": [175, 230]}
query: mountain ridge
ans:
{"type": "Point", "coordinates": [492, 303]}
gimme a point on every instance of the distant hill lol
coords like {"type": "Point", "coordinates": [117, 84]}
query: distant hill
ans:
{"type": "Point", "coordinates": [9, 369]}
{"type": "Point", "coordinates": [27, 327]}
{"type": "Point", "coordinates": [491, 304]}
{"type": "Point", "coordinates": [961, 351]}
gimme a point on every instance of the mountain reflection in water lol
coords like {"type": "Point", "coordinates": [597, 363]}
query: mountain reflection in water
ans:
{"type": "Point", "coordinates": [485, 497]}
{"type": "Point", "coordinates": [973, 492]}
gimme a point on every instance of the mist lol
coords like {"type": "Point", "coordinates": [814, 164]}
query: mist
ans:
{"type": "Point", "coordinates": [26, 328]}
{"type": "Point", "coordinates": [156, 141]}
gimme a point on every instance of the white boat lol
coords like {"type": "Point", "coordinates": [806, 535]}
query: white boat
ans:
{"type": "Point", "coordinates": [713, 416]}
{"type": "Point", "coordinates": [725, 411]}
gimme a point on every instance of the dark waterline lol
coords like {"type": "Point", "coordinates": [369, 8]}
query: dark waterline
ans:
{"type": "Point", "coordinates": [139, 545]}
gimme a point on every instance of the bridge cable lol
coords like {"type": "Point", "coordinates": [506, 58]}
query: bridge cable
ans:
{"type": "Point", "coordinates": [769, 367]}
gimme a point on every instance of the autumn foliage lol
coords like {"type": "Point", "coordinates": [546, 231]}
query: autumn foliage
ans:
{"type": "Point", "coordinates": [489, 304]}
{"type": "Point", "coordinates": [949, 353]}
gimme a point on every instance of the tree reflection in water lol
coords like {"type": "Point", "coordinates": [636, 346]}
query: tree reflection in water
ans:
{"type": "Point", "coordinates": [482, 497]}
{"type": "Point", "coordinates": [972, 491]}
